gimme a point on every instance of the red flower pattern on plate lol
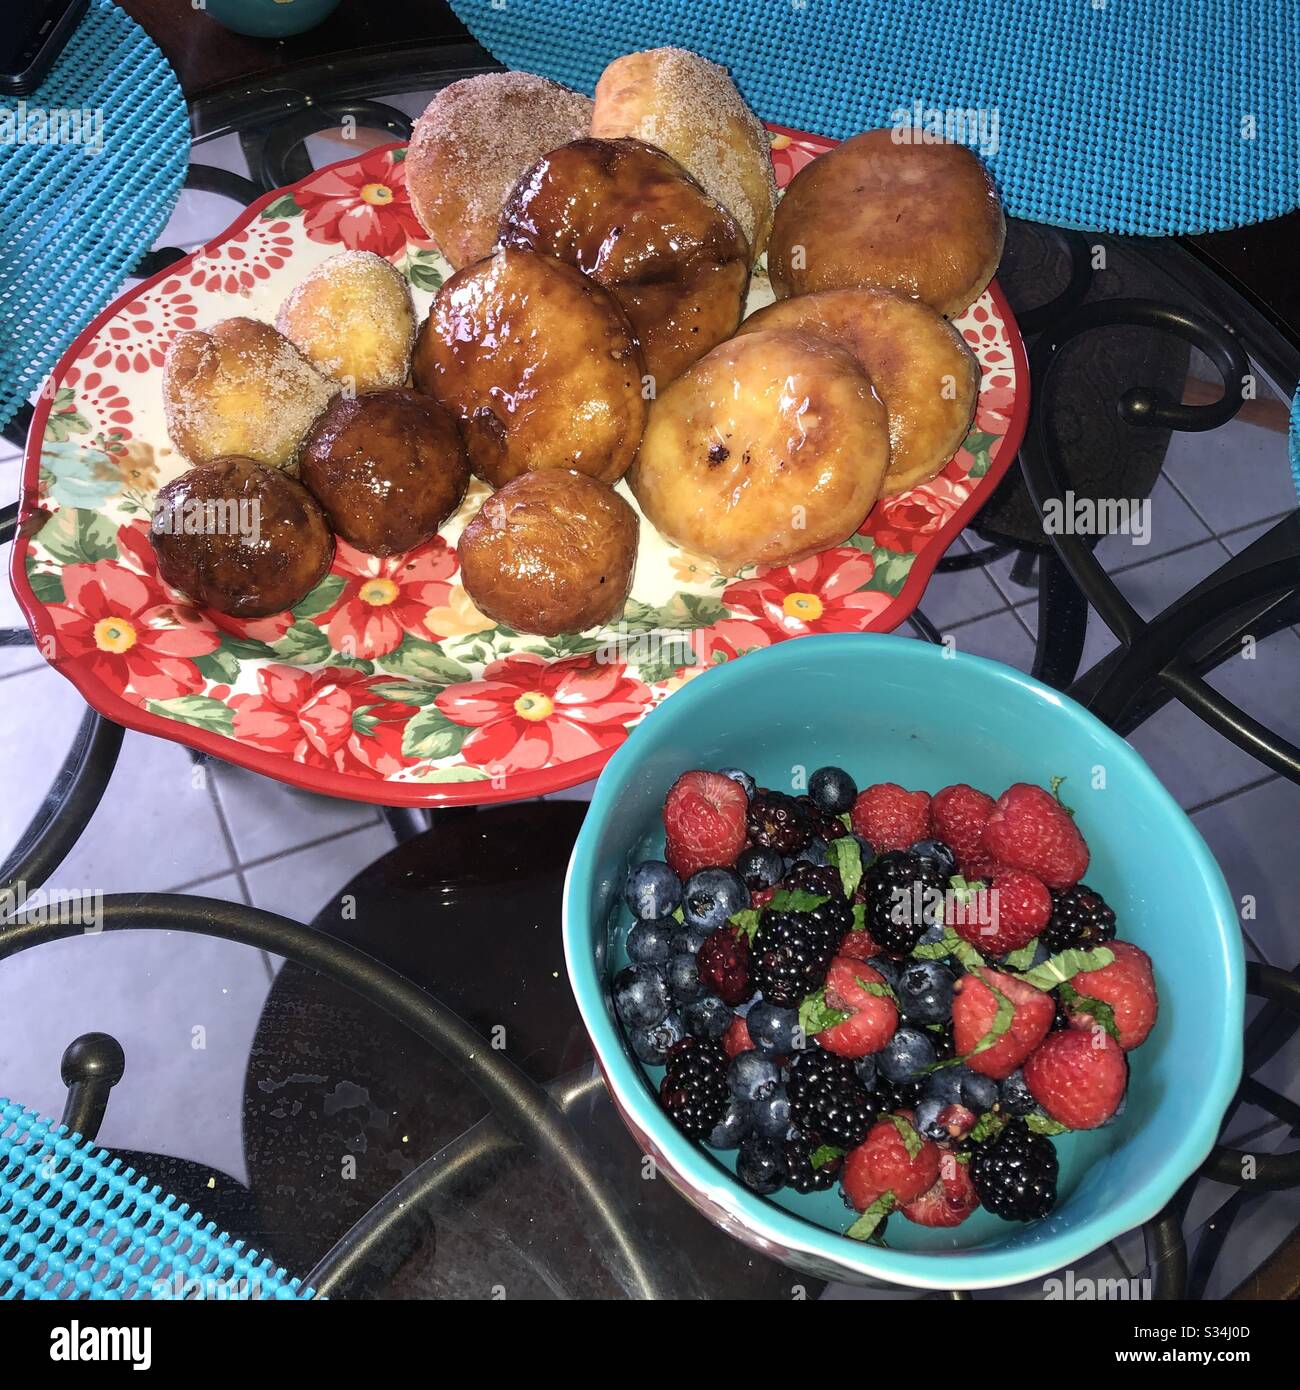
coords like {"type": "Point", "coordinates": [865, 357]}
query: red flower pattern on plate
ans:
{"type": "Point", "coordinates": [102, 402]}
{"type": "Point", "coordinates": [237, 264]}
{"type": "Point", "coordinates": [821, 594]}
{"type": "Point", "coordinates": [902, 523]}
{"type": "Point", "coordinates": [993, 409]}
{"type": "Point", "coordinates": [384, 598]}
{"type": "Point", "coordinates": [790, 153]}
{"type": "Point", "coordinates": [129, 631]}
{"type": "Point", "coordinates": [529, 713]}
{"type": "Point", "coordinates": [365, 205]}
{"type": "Point", "coordinates": [137, 337]}
{"type": "Point", "coordinates": [332, 718]}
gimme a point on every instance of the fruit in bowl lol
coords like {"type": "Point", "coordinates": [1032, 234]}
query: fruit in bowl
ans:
{"type": "Point", "coordinates": [964, 1079]}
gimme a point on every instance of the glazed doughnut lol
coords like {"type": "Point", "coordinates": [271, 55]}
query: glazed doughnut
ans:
{"type": "Point", "coordinates": [634, 220]}
{"type": "Point", "coordinates": [353, 320]}
{"type": "Point", "coordinates": [919, 364]}
{"type": "Point", "coordinates": [539, 365]}
{"type": "Point", "coordinates": [690, 108]}
{"type": "Point", "coordinates": [550, 552]}
{"type": "Point", "coordinates": [922, 219]}
{"type": "Point", "coordinates": [766, 451]}
{"type": "Point", "coordinates": [470, 146]}
{"type": "Point", "coordinates": [240, 388]}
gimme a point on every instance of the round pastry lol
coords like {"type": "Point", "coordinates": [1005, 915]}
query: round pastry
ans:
{"type": "Point", "coordinates": [469, 148]}
{"type": "Point", "coordinates": [353, 320]}
{"type": "Point", "coordinates": [551, 552]}
{"type": "Point", "coordinates": [770, 449]}
{"type": "Point", "coordinates": [636, 222]}
{"type": "Point", "coordinates": [923, 219]}
{"type": "Point", "coordinates": [919, 364]}
{"type": "Point", "coordinates": [387, 466]}
{"type": "Point", "coordinates": [538, 364]}
{"type": "Point", "coordinates": [240, 388]}
{"type": "Point", "coordinates": [690, 108]}
{"type": "Point", "coordinates": [240, 537]}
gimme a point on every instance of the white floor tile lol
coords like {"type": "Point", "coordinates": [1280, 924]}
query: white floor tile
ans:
{"type": "Point", "coordinates": [1232, 476]}
{"type": "Point", "coordinates": [266, 817]}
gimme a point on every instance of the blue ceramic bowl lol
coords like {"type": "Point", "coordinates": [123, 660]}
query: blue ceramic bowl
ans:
{"type": "Point", "coordinates": [270, 19]}
{"type": "Point", "coordinates": [898, 710]}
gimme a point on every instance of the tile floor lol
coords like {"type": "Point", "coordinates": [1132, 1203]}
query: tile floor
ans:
{"type": "Point", "coordinates": [167, 823]}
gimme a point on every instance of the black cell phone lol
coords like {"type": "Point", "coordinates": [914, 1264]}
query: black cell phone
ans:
{"type": "Point", "coordinates": [32, 36]}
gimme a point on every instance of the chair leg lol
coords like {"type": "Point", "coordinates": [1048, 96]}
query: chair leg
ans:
{"type": "Point", "coordinates": [1062, 624]}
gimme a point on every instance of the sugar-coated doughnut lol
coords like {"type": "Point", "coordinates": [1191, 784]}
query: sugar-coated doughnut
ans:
{"type": "Point", "coordinates": [766, 451]}
{"type": "Point", "coordinates": [690, 108]}
{"type": "Point", "coordinates": [539, 365]}
{"type": "Point", "coordinates": [923, 219]}
{"type": "Point", "coordinates": [240, 388]}
{"type": "Point", "coordinates": [472, 143]}
{"type": "Point", "coordinates": [919, 364]}
{"type": "Point", "coordinates": [551, 552]}
{"type": "Point", "coordinates": [633, 219]}
{"type": "Point", "coordinates": [353, 320]}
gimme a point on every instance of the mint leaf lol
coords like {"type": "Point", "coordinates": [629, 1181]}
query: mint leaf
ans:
{"type": "Point", "coordinates": [1024, 957]}
{"type": "Point", "coordinates": [678, 915]}
{"type": "Point", "coordinates": [796, 900]}
{"type": "Point", "coordinates": [1098, 1010]}
{"type": "Point", "coordinates": [746, 920]}
{"type": "Point", "coordinates": [846, 855]}
{"type": "Point", "coordinates": [859, 916]}
{"type": "Point", "coordinates": [878, 988]}
{"type": "Point", "coordinates": [912, 1141]}
{"type": "Point", "coordinates": [1065, 965]}
{"type": "Point", "coordinates": [931, 950]}
{"type": "Point", "coordinates": [962, 950]}
{"type": "Point", "coordinates": [1056, 792]}
{"type": "Point", "coordinates": [864, 1227]}
{"type": "Point", "coordinates": [816, 1015]}
{"type": "Point", "coordinates": [988, 1124]}
{"type": "Point", "coordinates": [847, 820]}
{"type": "Point", "coordinates": [827, 1153]}
{"type": "Point", "coordinates": [1044, 1124]}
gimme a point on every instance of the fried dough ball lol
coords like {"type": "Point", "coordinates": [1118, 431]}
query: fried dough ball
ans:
{"type": "Point", "coordinates": [240, 388]}
{"type": "Point", "coordinates": [635, 221]}
{"type": "Point", "coordinates": [923, 219]}
{"type": "Point", "coordinates": [919, 364]}
{"type": "Point", "coordinates": [690, 108]}
{"type": "Point", "coordinates": [387, 466]}
{"type": "Point", "coordinates": [770, 449]}
{"type": "Point", "coordinates": [470, 146]}
{"type": "Point", "coordinates": [353, 320]}
{"type": "Point", "coordinates": [240, 537]}
{"type": "Point", "coordinates": [551, 552]}
{"type": "Point", "coordinates": [539, 365]}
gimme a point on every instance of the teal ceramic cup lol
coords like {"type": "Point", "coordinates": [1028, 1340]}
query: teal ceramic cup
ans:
{"type": "Point", "coordinates": [270, 19]}
{"type": "Point", "coordinates": [891, 709]}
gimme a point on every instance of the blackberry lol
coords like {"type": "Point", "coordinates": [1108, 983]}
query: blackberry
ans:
{"type": "Point", "coordinates": [777, 821]}
{"type": "Point", "coordinates": [800, 1173]}
{"type": "Point", "coordinates": [1015, 1173]}
{"type": "Point", "coordinates": [890, 1096]}
{"type": "Point", "coordinates": [822, 879]}
{"type": "Point", "coordinates": [792, 951]}
{"type": "Point", "coordinates": [899, 893]}
{"type": "Point", "coordinates": [694, 1089]}
{"type": "Point", "coordinates": [1080, 917]}
{"type": "Point", "coordinates": [829, 827]}
{"type": "Point", "coordinates": [827, 1099]}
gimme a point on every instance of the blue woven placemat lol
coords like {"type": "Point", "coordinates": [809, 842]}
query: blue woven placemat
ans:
{"type": "Point", "coordinates": [1112, 115]}
{"type": "Point", "coordinates": [78, 211]}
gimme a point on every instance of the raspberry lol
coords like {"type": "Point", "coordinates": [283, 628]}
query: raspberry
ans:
{"type": "Point", "coordinates": [958, 815]}
{"type": "Point", "coordinates": [974, 1011]}
{"type": "Point", "coordinates": [1030, 829]}
{"type": "Point", "coordinates": [723, 962]}
{"type": "Point", "coordinates": [891, 818]}
{"type": "Point", "coordinates": [858, 945]}
{"type": "Point", "coordinates": [872, 1019]}
{"type": "Point", "coordinates": [736, 1039]}
{"type": "Point", "coordinates": [704, 819]}
{"type": "Point", "coordinates": [1018, 908]}
{"type": "Point", "coordinates": [829, 827]}
{"type": "Point", "coordinates": [950, 1201]}
{"type": "Point", "coordinates": [881, 1163]}
{"type": "Point", "coordinates": [1078, 1076]}
{"type": "Point", "coordinates": [1127, 985]}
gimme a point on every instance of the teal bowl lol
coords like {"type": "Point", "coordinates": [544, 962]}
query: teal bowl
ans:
{"type": "Point", "coordinates": [892, 709]}
{"type": "Point", "coordinates": [270, 19]}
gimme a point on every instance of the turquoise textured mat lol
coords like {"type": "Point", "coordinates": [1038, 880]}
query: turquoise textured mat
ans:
{"type": "Point", "coordinates": [91, 165]}
{"type": "Point", "coordinates": [76, 1224]}
{"type": "Point", "coordinates": [1112, 115]}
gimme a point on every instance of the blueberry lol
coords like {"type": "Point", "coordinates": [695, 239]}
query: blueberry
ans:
{"type": "Point", "coordinates": [833, 790]}
{"type": "Point", "coordinates": [651, 1044]}
{"type": "Point", "coordinates": [732, 1127]}
{"type": "Point", "coordinates": [944, 1086]}
{"type": "Point", "coordinates": [652, 891]}
{"type": "Point", "coordinates": [889, 970]}
{"type": "Point", "coordinates": [760, 1164]}
{"type": "Point", "coordinates": [772, 1116]}
{"type": "Point", "coordinates": [931, 935]}
{"type": "Point", "coordinates": [711, 897]}
{"type": "Point", "coordinates": [745, 780]}
{"type": "Point", "coordinates": [707, 1017]}
{"type": "Point", "coordinates": [938, 854]}
{"type": "Point", "coordinates": [928, 1110]}
{"type": "Point", "coordinates": [684, 979]}
{"type": "Point", "coordinates": [1015, 1095]}
{"type": "Point", "coordinates": [866, 1070]}
{"type": "Point", "coordinates": [906, 1055]}
{"type": "Point", "coordinates": [814, 852]}
{"type": "Point", "coordinates": [687, 941]}
{"type": "Point", "coordinates": [774, 1030]}
{"type": "Point", "coordinates": [978, 1093]}
{"type": "Point", "coordinates": [647, 943]}
{"type": "Point", "coordinates": [640, 996]}
{"type": "Point", "coordinates": [752, 1077]}
{"type": "Point", "coordinates": [760, 867]}
{"type": "Point", "coordinates": [924, 991]}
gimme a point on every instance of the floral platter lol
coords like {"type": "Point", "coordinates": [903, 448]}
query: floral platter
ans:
{"type": "Point", "coordinates": [385, 684]}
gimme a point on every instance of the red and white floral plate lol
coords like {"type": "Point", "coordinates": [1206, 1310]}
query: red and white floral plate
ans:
{"type": "Point", "coordinates": [385, 683]}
